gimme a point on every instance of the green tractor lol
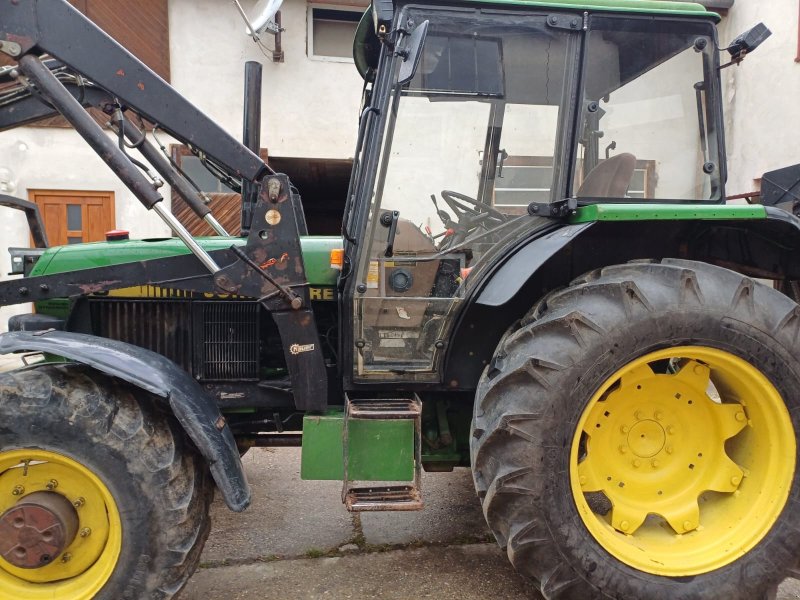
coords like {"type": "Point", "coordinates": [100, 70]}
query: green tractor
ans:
{"type": "Point", "coordinates": [538, 278]}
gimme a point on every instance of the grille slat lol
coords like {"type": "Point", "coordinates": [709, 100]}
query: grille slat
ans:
{"type": "Point", "coordinates": [228, 333]}
{"type": "Point", "coordinates": [230, 341]}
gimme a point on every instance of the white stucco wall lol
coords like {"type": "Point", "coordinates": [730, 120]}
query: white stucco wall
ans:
{"type": "Point", "coordinates": [761, 95]}
{"type": "Point", "coordinates": [310, 106]}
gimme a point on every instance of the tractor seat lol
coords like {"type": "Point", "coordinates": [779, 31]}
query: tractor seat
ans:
{"type": "Point", "coordinates": [609, 179]}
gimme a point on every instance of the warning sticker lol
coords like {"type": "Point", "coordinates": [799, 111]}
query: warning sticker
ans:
{"type": "Point", "coordinates": [373, 274]}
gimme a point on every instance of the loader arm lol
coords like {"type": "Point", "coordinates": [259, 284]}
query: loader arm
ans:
{"type": "Point", "coordinates": [31, 28]}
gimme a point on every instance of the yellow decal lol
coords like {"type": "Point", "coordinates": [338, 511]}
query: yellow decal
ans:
{"type": "Point", "coordinates": [321, 293]}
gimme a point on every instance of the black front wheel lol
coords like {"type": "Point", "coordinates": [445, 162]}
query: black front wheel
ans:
{"type": "Point", "coordinates": [100, 495]}
{"type": "Point", "coordinates": [635, 436]}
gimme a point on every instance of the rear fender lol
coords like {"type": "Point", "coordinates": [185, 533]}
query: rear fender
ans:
{"type": "Point", "coordinates": [767, 247]}
{"type": "Point", "coordinates": [195, 410]}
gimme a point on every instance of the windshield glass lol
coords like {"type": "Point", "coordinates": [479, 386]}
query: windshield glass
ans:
{"type": "Point", "coordinates": [646, 129]}
{"type": "Point", "coordinates": [470, 142]}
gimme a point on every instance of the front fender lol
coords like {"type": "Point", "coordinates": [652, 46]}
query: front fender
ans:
{"type": "Point", "coordinates": [196, 411]}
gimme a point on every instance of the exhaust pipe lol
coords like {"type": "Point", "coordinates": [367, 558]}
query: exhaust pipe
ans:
{"type": "Point", "coordinates": [251, 136]}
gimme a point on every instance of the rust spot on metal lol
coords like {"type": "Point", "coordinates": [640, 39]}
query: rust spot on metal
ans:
{"type": "Point", "coordinates": [100, 286]}
{"type": "Point", "coordinates": [220, 424]}
{"type": "Point", "coordinates": [121, 72]}
{"type": "Point", "coordinates": [37, 529]}
{"type": "Point", "coordinates": [23, 40]}
{"type": "Point", "coordinates": [276, 261]}
{"type": "Point", "coordinates": [140, 85]}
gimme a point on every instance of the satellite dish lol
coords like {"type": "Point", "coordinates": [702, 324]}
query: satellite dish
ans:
{"type": "Point", "coordinates": [263, 14]}
{"type": "Point", "coordinates": [263, 17]}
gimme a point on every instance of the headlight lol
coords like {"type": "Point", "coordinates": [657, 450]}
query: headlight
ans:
{"type": "Point", "coordinates": [23, 259]}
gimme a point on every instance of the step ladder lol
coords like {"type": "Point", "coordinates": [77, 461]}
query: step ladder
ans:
{"type": "Point", "coordinates": [383, 498]}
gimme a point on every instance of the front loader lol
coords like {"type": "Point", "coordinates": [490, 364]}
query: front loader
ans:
{"type": "Point", "coordinates": [538, 277]}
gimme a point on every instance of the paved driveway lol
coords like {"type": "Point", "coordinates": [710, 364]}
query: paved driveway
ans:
{"type": "Point", "coordinates": [297, 541]}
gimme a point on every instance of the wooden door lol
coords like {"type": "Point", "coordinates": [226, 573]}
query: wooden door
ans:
{"type": "Point", "coordinates": [75, 217]}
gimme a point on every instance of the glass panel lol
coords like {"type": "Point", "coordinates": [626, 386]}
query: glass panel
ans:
{"type": "Point", "coordinates": [75, 240]}
{"type": "Point", "coordinates": [469, 144]}
{"type": "Point", "coordinates": [74, 217]}
{"type": "Point", "coordinates": [645, 101]}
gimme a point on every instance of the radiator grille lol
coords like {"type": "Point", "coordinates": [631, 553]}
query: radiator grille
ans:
{"type": "Point", "coordinates": [162, 326]}
{"type": "Point", "coordinates": [212, 340]}
{"type": "Point", "coordinates": [229, 346]}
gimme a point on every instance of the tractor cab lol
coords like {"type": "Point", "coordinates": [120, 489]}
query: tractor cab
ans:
{"type": "Point", "coordinates": [512, 112]}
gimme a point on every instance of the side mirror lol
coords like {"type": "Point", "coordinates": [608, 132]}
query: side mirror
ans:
{"type": "Point", "coordinates": [412, 53]}
{"type": "Point", "coordinates": [748, 42]}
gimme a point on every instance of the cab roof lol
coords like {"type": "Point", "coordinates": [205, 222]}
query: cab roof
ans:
{"type": "Point", "coordinates": [365, 42]}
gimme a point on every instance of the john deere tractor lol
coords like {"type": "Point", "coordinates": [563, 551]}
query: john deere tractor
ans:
{"type": "Point", "coordinates": [538, 277]}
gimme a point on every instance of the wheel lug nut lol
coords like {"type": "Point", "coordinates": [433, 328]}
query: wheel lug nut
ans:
{"type": "Point", "coordinates": [582, 480]}
{"type": "Point", "coordinates": [87, 531]}
{"type": "Point", "coordinates": [624, 429]}
{"type": "Point", "coordinates": [624, 526]}
{"type": "Point", "coordinates": [669, 449]}
{"type": "Point", "coordinates": [623, 449]}
{"type": "Point", "coordinates": [687, 525]}
{"type": "Point", "coordinates": [639, 415]}
{"type": "Point", "coordinates": [671, 430]}
{"type": "Point", "coordinates": [740, 416]}
{"type": "Point", "coordinates": [655, 463]}
{"type": "Point", "coordinates": [79, 502]}
{"type": "Point", "coordinates": [66, 558]}
{"type": "Point", "coordinates": [51, 485]}
{"type": "Point", "coordinates": [18, 490]}
{"type": "Point", "coordinates": [659, 415]}
{"type": "Point", "coordinates": [736, 480]}
{"type": "Point", "coordinates": [637, 463]}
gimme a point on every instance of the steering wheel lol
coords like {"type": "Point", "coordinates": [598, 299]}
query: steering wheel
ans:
{"type": "Point", "coordinates": [464, 206]}
{"type": "Point", "coordinates": [470, 214]}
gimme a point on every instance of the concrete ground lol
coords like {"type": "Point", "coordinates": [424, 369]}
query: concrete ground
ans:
{"type": "Point", "coordinates": [296, 541]}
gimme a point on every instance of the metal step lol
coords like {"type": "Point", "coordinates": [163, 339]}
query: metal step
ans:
{"type": "Point", "coordinates": [394, 408]}
{"type": "Point", "coordinates": [400, 497]}
{"type": "Point", "coordinates": [390, 497]}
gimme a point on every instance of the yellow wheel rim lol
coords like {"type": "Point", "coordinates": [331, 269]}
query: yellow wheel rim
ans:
{"type": "Point", "coordinates": [86, 564]}
{"type": "Point", "coordinates": [682, 461]}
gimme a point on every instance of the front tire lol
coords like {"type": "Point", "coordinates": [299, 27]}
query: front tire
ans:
{"type": "Point", "coordinates": [635, 436]}
{"type": "Point", "coordinates": [125, 500]}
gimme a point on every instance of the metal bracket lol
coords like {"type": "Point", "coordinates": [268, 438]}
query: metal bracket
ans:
{"type": "Point", "coordinates": [556, 210]}
{"type": "Point", "coordinates": [10, 48]}
{"type": "Point", "coordinates": [568, 22]}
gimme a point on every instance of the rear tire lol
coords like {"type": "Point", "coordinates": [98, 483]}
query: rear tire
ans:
{"type": "Point", "coordinates": [559, 481]}
{"type": "Point", "coordinates": [113, 454]}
